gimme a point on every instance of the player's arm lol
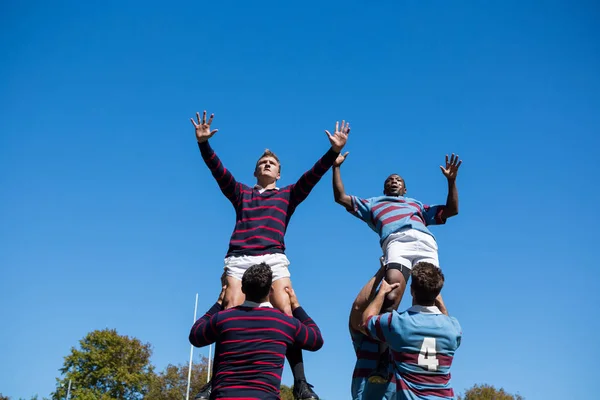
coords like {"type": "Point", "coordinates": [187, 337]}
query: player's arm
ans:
{"type": "Point", "coordinates": [371, 320]}
{"type": "Point", "coordinates": [307, 334]}
{"type": "Point", "coordinates": [364, 297]}
{"type": "Point", "coordinates": [439, 303]}
{"type": "Point", "coordinates": [339, 193]}
{"type": "Point", "coordinates": [450, 172]}
{"type": "Point", "coordinates": [301, 189]}
{"type": "Point", "coordinates": [204, 331]}
{"type": "Point", "coordinates": [227, 183]}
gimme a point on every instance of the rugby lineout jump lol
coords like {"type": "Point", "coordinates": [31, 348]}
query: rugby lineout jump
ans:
{"type": "Point", "coordinates": [401, 223]}
{"type": "Point", "coordinates": [263, 212]}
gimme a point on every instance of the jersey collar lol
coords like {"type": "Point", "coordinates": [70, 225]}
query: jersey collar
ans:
{"type": "Point", "coordinates": [253, 304]}
{"type": "Point", "coordinates": [425, 309]}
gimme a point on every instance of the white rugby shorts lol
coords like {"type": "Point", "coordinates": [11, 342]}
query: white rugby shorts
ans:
{"type": "Point", "coordinates": [235, 266]}
{"type": "Point", "coordinates": [410, 247]}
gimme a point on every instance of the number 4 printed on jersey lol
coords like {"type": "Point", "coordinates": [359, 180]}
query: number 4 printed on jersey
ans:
{"type": "Point", "coordinates": [427, 355]}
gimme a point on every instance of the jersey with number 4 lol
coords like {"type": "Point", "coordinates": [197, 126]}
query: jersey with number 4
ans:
{"type": "Point", "coordinates": [423, 342]}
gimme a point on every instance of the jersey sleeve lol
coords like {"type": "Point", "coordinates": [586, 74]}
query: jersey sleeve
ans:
{"type": "Point", "coordinates": [227, 183]}
{"type": "Point", "coordinates": [204, 331]}
{"type": "Point", "coordinates": [458, 329]}
{"type": "Point", "coordinates": [433, 214]}
{"type": "Point", "coordinates": [307, 334]}
{"type": "Point", "coordinates": [361, 208]}
{"type": "Point", "coordinates": [379, 327]}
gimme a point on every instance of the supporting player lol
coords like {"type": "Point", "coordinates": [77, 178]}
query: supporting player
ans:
{"type": "Point", "coordinates": [422, 339]}
{"type": "Point", "coordinates": [366, 348]}
{"type": "Point", "coordinates": [252, 339]}
{"type": "Point", "coordinates": [401, 223]}
{"type": "Point", "coordinates": [263, 212]}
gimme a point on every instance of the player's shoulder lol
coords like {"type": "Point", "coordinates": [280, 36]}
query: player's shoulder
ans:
{"type": "Point", "coordinates": [454, 322]}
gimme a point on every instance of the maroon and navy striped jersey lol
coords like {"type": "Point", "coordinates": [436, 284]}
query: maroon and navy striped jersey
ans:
{"type": "Point", "coordinates": [262, 217]}
{"type": "Point", "coordinates": [251, 347]}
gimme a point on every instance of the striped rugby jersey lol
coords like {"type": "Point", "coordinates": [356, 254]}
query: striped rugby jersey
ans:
{"type": "Point", "coordinates": [367, 356]}
{"type": "Point", "coordinates": [251, 343]}
{"type": "Point", "coordinates": [262, 217]}
{"type": "Point", "coordinates": [389, 214]}
{"type": "Point", "coordinates": [422, 342]}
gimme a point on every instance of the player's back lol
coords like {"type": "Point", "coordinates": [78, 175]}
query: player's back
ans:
{"type": "Point", "coordinates": [423, 352]}
{"type": "Point", "coordinates": [253, 343]}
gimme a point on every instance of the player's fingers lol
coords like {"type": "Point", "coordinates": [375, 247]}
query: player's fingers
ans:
{"type": "Point", "coordinates": [213, 132]}
{"type": "Point", "coordinates": [204, 117]}
{"type": "Point", "coordinates": [327, 133]}
{"type": "Point", "coordinates": [346, 154]}
{"type": "Point", "coordinates": [336, 126]}
{"type": "Point", "coordinates": [193, 122]}
{"type": "Point", "coordinates": [210, 119]}
{"type": "Point", "coordinates": [446, 159]}
{"type": "Point", "coordinates": [198, 118]}
{"type": "Point", "coordinates": [459, 163]}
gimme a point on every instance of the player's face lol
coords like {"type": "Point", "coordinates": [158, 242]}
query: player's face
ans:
{"type": "Point", "coordinates": [267, 167]}
{"type": "Point", "coordinates": [394, 186]}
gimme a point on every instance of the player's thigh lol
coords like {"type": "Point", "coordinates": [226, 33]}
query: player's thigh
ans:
{"type": "Point", "coordinates": [233, 295]}
{"type": "Point", "coordinates": [397, 273]}
{"type": "Point", "coordinates": [427, 250]}
{"type": "Point", "coordinates": [279, 297]}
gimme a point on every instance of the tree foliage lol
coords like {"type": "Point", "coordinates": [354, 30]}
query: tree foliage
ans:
{"type": "Point", "coordinates": [286, 393]}
{"type": "Point", "coordinates": [488, 392]}
{"type": "Point", "coordinates": [171, 383]}
{"type": "Point", "coordinates": [107, 366]}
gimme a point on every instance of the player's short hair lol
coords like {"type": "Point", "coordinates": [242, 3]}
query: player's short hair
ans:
{"type": "Point", "coordinates": [257, 281]}
{"type": "Point", "coordinates": [268, 153]}
{"type": "Point", "coordinates": [427, 282]}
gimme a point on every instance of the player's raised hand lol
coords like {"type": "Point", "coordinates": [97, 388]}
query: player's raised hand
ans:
{"type": "Point", "coordinates": [203, 132]}
{"type": "Point", "coordinates": [340, 159]}
{"type": "Point", "coordinates": [293, 299]}
{"type": "Point", "coordinates": [452, 166]}
{"type": "Point", "coordinates": [385, 287]}
{"type": "Point", "coordinates": [340, 136]}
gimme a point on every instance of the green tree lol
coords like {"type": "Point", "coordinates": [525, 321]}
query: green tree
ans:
{"type": "Point", "coordinates": [488, 392]}
{"type": "Point", "coordinates": [286, 393]}
{"type": "Point", "coordinates": [107, 366]}
{"type": "Point", "coordinates": [2, 397]}
{"type": "Point", "coordinates": [171, 383]}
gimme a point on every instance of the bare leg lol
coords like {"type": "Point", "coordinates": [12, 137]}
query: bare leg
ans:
{"type": "Point", "coordinates": [279, 297]}
{"type": "Point", "coordinates": [234, 295]}
{"type": "Point", "coordinates": [391, 303]}
{"type": "Point", "coordinates": [393, 298]}
{"type": "Point", "coordinates": [281, 300]}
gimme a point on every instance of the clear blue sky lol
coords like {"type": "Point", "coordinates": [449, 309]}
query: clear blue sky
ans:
{"type": "Point", "coordinates": [109, 217]}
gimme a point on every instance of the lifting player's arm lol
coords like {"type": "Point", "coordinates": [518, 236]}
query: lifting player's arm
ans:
{"type": "Point", "coordinates": [374, 309]}
{"type": "Point", "coordinates": [339, 193]}
{"type": "Point", "coordinates": [450, 172]}
{"type": "Point", "coordinates": [227, 183]}
{"type": "Point", "coordinates": [364, 297]}
{"type": "Point", "coordinates": [204, 330]}
{"type": "Point", "coordinates": [307, 335]}
{"type": "Point", "coordinates": [301, 189]}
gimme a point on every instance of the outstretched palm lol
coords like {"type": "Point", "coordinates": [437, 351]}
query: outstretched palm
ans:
{"type": "Point", "coordinates": [452, 166]}
{"type": "Point", "coordinates": [203, 132]}
{"type": "Point", "coordinates": [339, 137]}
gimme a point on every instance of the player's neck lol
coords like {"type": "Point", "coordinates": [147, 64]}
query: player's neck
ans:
{"type": "Point", "coordinates": [267, 184]}
{"type": "Point", "coordinates": [259, 301]}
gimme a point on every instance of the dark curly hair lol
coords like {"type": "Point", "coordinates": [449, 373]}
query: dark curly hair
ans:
{"type": "Point", "coordinates": [256, 282]}
{"type": "Point", "coordinates": [427, 283]}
